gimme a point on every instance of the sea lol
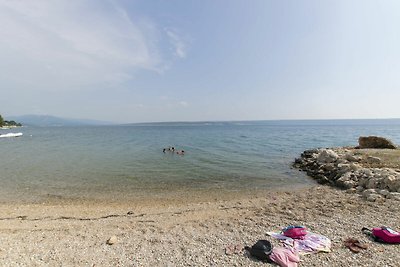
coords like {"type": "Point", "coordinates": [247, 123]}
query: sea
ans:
{"type": "Point", "coordinates": [127, 161]}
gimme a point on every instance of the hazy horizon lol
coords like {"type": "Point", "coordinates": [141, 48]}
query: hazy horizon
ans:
{"type": "Point", "coordinates": [155, 61]}
{"type": "Point", "coordinates": [195, 121]}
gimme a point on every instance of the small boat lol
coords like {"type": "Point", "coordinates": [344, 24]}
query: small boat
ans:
{"type": "Point", "coordinates": [11, 135]}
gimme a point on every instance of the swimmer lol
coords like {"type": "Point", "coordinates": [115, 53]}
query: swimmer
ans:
{"type": "Point", "coordinates": [180, 152]}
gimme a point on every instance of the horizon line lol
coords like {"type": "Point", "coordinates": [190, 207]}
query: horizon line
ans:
{"type": "Point", "coordinates": [250, 120]}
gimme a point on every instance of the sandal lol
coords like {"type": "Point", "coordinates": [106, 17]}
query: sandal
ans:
{"type": "Point", "coordinates": [354, 245]}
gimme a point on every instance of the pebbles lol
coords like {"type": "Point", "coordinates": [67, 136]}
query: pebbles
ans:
{"type": "Point", "coordinates": [194, 234]}
{"type": "Point", "coordinates": [112, 240]}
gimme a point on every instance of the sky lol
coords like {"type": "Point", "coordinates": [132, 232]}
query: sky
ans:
{"type": "Point", "coordinates": [211, 60]}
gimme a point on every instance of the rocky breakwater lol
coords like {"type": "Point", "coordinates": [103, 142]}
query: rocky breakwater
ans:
{"type": "Point", "coordinates": [356, 169]}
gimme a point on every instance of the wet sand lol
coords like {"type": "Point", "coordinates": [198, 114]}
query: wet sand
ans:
{"type": "Point", "coordinates": [190, 229]}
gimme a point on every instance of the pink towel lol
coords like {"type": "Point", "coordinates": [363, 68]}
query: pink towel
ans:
{"type": "Point", "coordinates": [284, 257]}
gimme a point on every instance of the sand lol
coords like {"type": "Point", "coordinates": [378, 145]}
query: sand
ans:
{"type": "Point", "coordinates": [191, 231]}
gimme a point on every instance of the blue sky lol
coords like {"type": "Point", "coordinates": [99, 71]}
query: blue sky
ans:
{"type": "Point", "coordinates": [141, 61]}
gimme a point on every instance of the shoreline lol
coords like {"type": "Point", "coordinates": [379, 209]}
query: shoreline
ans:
{"type": "Point", "coordinates": [162, 198]}
{"type": "Point", "coordinates": [151, 196]}
{"type": "Point", "coordinates": [192, 233]}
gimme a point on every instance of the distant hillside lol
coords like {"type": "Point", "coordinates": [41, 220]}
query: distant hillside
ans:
{"type": "Point", "coordinates": [46, 120]}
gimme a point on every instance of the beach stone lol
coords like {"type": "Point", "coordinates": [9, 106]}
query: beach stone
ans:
{"type": "Point", "coordinates": [354, 167]}
{"type": "Point", "coordinates": [327, 156]}
{"type": "Point", "coordinates": [321, 179]}
{"type": "Point", "coordinates": [372, 183]}
{"type": "Point", "coordinates": [371, 159]}
{"type": "Point", "coordinates": [351, 190]}
{"type": "Point", "coordinates": [341, 161]}
{"type": "Point", "coordinates": [368, 192]}
{"type": "Point", "coordinates": [342, 180]}
{"type": "Point", "coordinates": [363, 182]}
{"type": "Point", "coordinates": [350, 157]}
{"type": "Point", "coordinates": [349, 184]}
{"type": "Point", "coordinates": [394, 195]}
{"type": "Point", "coordinates": [375, 142]}
{"type": "Point", "coordinates": [112, 240]}
{"type": "Point", "coordinates": [343, 168]}
{"type": "Point", "coordinates": [359, 189]}
{"type": "Point", "coordinates": [374, 197]}
{"type": "Point", "coordinates": [383, 192]}
{"type": "Point", "coordinates": [328, 167]}
{"type": "Point", "coordinates": [392, 183]}
{"type": "Point", "coordinates": [367, 172]}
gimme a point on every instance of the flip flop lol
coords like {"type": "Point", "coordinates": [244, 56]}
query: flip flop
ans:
{"type": "Point", "coordinates": [349, 243]}
{"type": "Point", "coordinates": [360, 245]}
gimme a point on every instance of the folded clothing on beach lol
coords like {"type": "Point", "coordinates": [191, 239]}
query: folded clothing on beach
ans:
{"type": "Point", "coordinates": [311, 242]}
{"type": "Point", "coordinates": [285, 257]}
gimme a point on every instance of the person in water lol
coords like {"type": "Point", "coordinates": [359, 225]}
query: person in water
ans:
{"type": "Point", "coordinates": [169, 149]}
{"type": "Point", "coordinates": [180, 152]}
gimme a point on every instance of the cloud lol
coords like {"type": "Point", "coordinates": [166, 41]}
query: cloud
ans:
{"type": "Point", "coordinates": [67, 45]}
{"type": "Point", "coordinates": [177, 42]}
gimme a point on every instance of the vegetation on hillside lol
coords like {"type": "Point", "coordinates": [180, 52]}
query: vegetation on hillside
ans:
{"type": "Point", "coordinates": [4, 123]}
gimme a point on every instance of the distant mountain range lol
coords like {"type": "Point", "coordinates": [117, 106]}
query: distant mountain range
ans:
{"type": "Point", "coordinates": [46, 120]}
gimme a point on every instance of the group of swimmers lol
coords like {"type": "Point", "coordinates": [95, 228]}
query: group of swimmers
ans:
{"type": "Point", "coordinates": [172, 149]}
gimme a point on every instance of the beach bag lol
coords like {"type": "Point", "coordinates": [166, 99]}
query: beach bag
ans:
{"type": "Point", "coordinates": [383, 235]}
{"type": "Point", "coordinates": [261, 250]}
{"type": "Point", "coordinates": [296, 232]}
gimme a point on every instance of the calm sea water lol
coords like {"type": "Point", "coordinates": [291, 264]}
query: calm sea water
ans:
{"type": "Point", "coordinates": [126, 161]}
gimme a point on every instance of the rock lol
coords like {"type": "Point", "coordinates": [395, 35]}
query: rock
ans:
{"type": "Point", "coordinates": [354, 167]}
{"type": "Point", "coordinates": [394, 195]}
{"type": "Point", "coordinates": [327, 156]}
{"type": "Point", "coordinates": [368, 192]}
{"type": "Point", "coordinates": [298, 161]}
{"type": "Point", "coordinates": [350, 157]}
{"type": "Point", "coordinates": [375, 142]}
{"type": "Point", "coordinates": [392, 183]}
{"type": "Point", "coordinates": [349, 184]}
{"type": "Point", "coordinates": [321, 179]}
{"type": "Point", "coordinates": [112, 240]}
{"type": "Point", "coordinates": [367, 172]}
{"type": "Point", "coordinates": [309, 153]}
{"type": "Point", "coordinates": [359, 189]}
{"type": "Point", "coordinates": [383, 192]}
{"type": "Point", "coordinates": [372, 183]}
{"type": "Point", "coordinates": [351, 190]}
{"type": "Point", "coordinates": [371, 159]}
{"type": "Point", "coordinates": [374, 197]}
{"type": "Point", "coordinates": [328, 167]}
{"type": "Point", "coordinates": [343, 168]}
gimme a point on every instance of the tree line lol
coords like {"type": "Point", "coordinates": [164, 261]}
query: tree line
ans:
{"type": "Point", "coordinates": [8, 123]}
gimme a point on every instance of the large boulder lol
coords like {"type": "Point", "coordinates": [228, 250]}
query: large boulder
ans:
{"type": "Point", "coordinates": [375, 142]}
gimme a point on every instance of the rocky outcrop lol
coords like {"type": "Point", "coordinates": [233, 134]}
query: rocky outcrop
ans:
{"type": "Point", "coordinates": [375, 142]}
{"type": "Point", "coordinates": [343, 167]}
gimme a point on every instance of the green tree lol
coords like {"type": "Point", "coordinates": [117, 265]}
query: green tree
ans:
{"type": "Point", "coordinates": [1, 121]}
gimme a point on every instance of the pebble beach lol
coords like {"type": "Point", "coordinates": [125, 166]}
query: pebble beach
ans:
{"type": "Point", "coordinates": [192, 232]}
